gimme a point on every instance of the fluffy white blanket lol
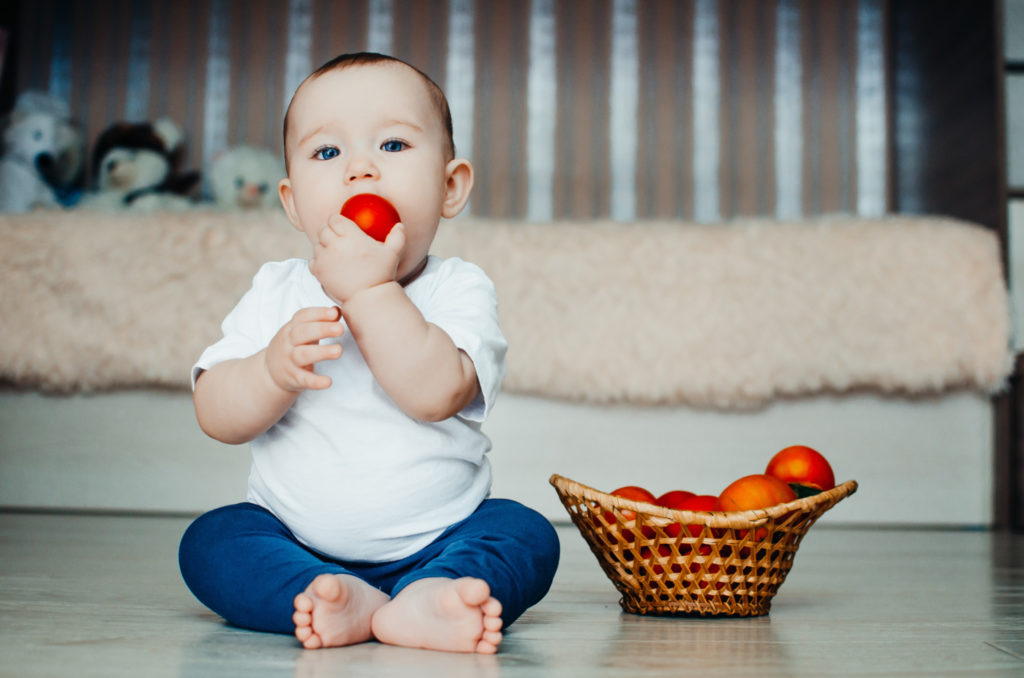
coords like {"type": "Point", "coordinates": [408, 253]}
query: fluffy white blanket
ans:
{"type": "Point", "coordinates": [730, 315]}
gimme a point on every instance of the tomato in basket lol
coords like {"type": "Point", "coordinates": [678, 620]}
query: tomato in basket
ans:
{"type": "Point", "coordinates": [636, 493]}
{"type": "Point", "coordinates": [803, 466]}
{"type": "Point", "coordinates": [674, 500]}
{"type": "Point", "coordinates": [698, 502]}
{"type": "Point", "coordinates": [754, 492]}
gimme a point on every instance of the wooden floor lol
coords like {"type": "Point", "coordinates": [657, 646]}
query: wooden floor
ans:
{"type": "Point", "coordinates": [101, 596]}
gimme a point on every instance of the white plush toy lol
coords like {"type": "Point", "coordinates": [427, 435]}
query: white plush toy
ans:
{"type": "Point", "coordinates": [245, 177]}
{"type": "Point", "coordinates": [42, 152]}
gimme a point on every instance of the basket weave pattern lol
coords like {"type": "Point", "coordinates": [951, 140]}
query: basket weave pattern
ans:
{"type": "Point", "coordinates": [665, 561]}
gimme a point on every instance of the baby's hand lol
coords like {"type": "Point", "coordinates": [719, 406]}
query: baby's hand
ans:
{"type": "Point", "coordinates": [346, 260]}
{"type": "Point", "coordinates": [296, 347]}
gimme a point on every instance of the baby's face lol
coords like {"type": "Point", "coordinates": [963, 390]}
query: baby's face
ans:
{"type": "Point", "coordinates": [367, 129]}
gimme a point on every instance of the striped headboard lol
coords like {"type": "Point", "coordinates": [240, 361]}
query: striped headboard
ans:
{"type": "Point", "coordinates": [697, 109]}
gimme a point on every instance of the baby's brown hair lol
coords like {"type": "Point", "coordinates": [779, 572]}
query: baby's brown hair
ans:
{"type": "Point", "coordinates": [437, 96]}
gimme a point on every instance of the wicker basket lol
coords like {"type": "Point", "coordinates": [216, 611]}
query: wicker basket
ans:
{"type": "Point", "coordinates": [665, 561]}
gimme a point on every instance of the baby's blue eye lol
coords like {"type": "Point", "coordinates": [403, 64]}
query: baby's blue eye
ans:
{"type": "Point", "coordinates": [326, 153]}
{"type": "Point", "coordinates": [393, 146]}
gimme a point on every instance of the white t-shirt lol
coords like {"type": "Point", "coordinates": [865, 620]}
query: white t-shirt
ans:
{"type": "Point", "coordinates": [345, 469]}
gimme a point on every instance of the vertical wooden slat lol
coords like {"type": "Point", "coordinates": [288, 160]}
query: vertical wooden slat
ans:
{"type": "Point", "coordinates": [829, 86]}
{"type": "Point", "coordinates": [197, 40]}
{"type": "Point", "coordinates": [583, 31]}
{"type": "Point", "coordinates": [811, 39]}
{"type": "Point", "coordinates": [268, 100]}
{"type": "Point", "coordinates": [239, 48]}
{"type": "Point", "coordinates": [171, 54]}
{"type": "Point", "coordinates": [36, 23]}
{"type": "Point", "coordinates": [421, 36]}
{"type": "Point", "coordinates": [764, 67]}
{"type": "Point", "coordinates": [499, 128]}
{"type": "Point", "coordinates": [340, 28]}
{"type": "Point", "coordinates": [664, 173]}
{"type": "Point", "coordinates": [747, 113]}
{"type": "Point", "coordinates": [116, 54]}
{"type": "Point", "coordinates": [89, 92]}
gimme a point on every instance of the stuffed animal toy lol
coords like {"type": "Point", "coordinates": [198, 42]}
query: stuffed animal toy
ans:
{"type": "Point", "coordinates": [135, 167]}
{"type": "Point", "coordinates": [43, 154]}
{"type": "Point", "coordinates": [245, 177]}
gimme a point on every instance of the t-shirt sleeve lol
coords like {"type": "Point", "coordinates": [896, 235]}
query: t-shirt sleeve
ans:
{"type": "Point", "coordinates": [465, 306]}
{"type": "Point", "coordinates": [242, 331]}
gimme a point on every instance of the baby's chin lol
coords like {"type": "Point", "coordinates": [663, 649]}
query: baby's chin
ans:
{"type": "Point", "coordinates": [409, 272]}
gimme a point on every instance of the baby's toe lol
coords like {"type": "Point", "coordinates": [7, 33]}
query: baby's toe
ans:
{"type": "Point", "coordinates": [303, 603]}
{"type": "Point", "coordinates": [473, 592]}
{"type": "Point", "coordinates": [492, 608]}
{"type": "Point", "coordinates": [327, 586]}
{"type": "Point", "coordinates": [485, 647]}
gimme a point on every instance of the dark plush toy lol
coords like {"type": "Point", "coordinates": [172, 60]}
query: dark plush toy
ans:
{"type": "Point", "coordinates": [135, 166]}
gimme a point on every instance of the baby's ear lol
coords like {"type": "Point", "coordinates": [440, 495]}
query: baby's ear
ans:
{"type": "Point", "coordinates": [458, 185]}
{"type": "Point", "coordinates": [284, 192]}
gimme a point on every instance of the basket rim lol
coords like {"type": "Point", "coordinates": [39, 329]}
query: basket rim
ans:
{"type": "Point", "coordinates": [734, 519]}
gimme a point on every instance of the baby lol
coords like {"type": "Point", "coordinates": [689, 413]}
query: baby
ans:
{"type": "Point", "coordinates": [362, 377]}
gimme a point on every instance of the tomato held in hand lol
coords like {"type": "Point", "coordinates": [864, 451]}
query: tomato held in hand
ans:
{"type": "Point", "coordinates": [372, 213]}
{"type": "Point", "coordinates": [754, 492]}
{"type": "Point", "coordinates": [802, 465]}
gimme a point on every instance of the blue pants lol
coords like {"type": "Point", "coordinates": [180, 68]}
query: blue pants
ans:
{"type": "Point", "coordinates": [245, 565]}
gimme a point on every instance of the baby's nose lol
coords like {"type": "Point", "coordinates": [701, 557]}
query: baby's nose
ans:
{"type": "Point", "coordinates": [361, 168]}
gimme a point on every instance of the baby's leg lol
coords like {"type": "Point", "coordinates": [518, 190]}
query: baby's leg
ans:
{"type": "Point", "coordinates": [456, 615]}
{"type": "Point", "coordinates": [245, 565]}
{"type": "Point", "coordinates": [503, 552]}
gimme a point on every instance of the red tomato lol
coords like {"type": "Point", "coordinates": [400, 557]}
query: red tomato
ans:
{"type": "Point", "coordinates": [372, 213]}
{"type": "Point", "coordinates": [674, 500]}
{"type": "Point", "coordinates": [698, 502]}
{"type": "Point", "coordinates": [636, 493]}
{"type": "Point", "coordinates": [753, 492]}
{"type": "Point", "coordinates": [802, 465]}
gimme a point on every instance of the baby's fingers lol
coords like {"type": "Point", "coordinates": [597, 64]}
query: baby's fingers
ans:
{"type": "Point", "coordinates": [396, 239]}
{"type": "Point", "coordinates": [313, 332]}
{"type": "Point", "coordinates": [311, 381]}
{"type": "Point", "coordinates": [307, 355]}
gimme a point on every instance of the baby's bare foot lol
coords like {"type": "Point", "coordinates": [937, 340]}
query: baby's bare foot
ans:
{"type": "Point", "coordinates": [336, 609]}
{"type": "Point", "coordinates": [455, 615]}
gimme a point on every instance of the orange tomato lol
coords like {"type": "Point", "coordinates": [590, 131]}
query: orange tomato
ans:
{"type": "Point", "coordinates": [753, 492]}
{"type": "Point", "coordinates": [802, 465]}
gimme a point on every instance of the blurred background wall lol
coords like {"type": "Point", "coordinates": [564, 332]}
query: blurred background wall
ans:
{"type": "Point", "coordinates": [697, 109]}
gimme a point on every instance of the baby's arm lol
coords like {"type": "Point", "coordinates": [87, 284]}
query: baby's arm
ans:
{"type": "Point", "coordinates": [237, 400]}
{"type": "Point", "coordinates": [415, 362]}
